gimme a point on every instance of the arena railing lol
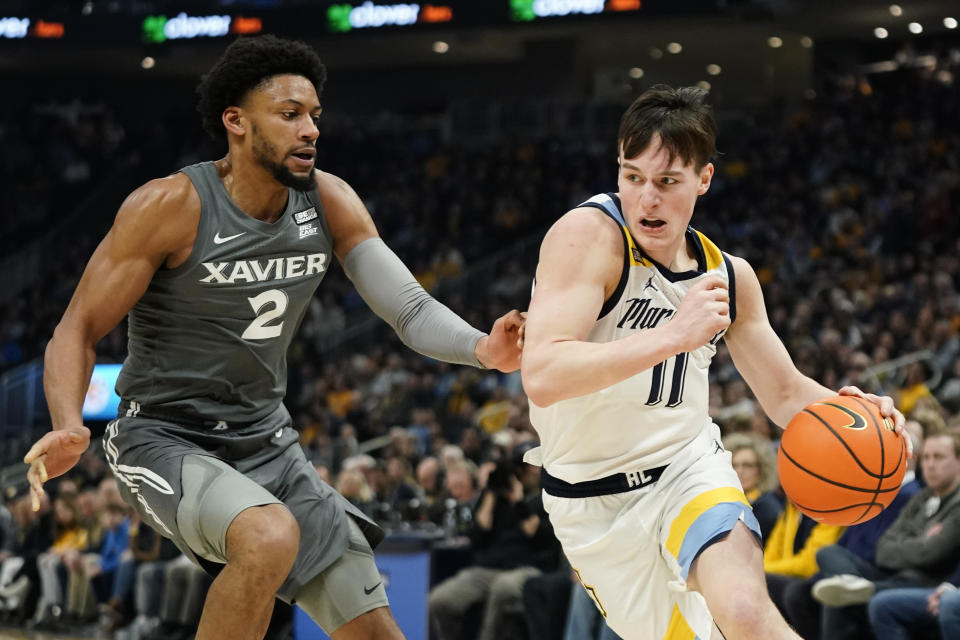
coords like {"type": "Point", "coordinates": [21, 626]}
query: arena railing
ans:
{"type": "Point", "coordinates": [892, 374]}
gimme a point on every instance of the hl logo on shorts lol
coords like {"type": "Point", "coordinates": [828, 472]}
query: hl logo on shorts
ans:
{"type": "Point", "coordinates": [638, 479]}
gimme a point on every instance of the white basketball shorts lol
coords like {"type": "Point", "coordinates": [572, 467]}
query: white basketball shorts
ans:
{"type": "Point", "coordinates": [633, 550]}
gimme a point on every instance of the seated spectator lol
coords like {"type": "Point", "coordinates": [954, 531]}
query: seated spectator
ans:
{"type": "Point", "coordinates": [509, 536]}
{"type": "Point", "coordinates": [18, 598]}
{"type": "Point", "coordinates": [69, 536]}
{"type": "Point", "coordinates": [894, 613]}
{"type": "Point", "coordinates": [915, 387]}
{"type": "Point", "coordinates": [92, 575]}
{"type": "Point", "coordinates": [184, 590]}
{"type": "Point", "coordinates": [148, 557]}
{"type": "Point", "coordinates": [737, 404]}
{"type": "Point", "coordinates": [400, 486]}
{"type": "Point", "coordinates": [429, 482]}
{"type": "Point", "coordinates": [754, 462]}
{"type": "Point", "coordinates": [454, 509]}
{"type": "Point", "coordinates": [352, 485]}
{"type": "Point", "coordinates": [918, 550]}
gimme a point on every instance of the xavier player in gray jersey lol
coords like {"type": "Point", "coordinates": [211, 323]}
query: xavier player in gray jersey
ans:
{"type": "Point", "coordinates": [215, 265]}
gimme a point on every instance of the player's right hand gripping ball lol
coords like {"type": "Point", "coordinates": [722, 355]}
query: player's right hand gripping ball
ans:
{"type": "Point", "coordinates": [840, 461]}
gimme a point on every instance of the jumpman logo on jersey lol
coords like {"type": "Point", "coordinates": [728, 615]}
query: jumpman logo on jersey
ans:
{"type": "Point", "coordinates": [650, 285]}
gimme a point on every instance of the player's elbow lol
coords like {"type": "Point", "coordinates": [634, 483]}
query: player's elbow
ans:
{"type": "Point", "coordinates": [68, 332]}
{"type": "Point", "coordinates": [536, 385]}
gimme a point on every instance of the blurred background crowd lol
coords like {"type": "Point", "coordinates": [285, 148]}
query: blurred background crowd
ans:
{"type": "Point", "coordinates": [844, 201]}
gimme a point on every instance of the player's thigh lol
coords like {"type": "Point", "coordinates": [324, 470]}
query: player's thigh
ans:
{"type": "Point", "coordinates": [177, 487]}
{"type": "Point", "coordinates": [348, 599]}
{"type": "Point", "coordinates": [703, 502]}
{"type": "Point", "coordinates": [704, 513]}
{"type": "Point", "coordinates": [610, 545]}
{"type": "Point", "coordinates": [214, 494]}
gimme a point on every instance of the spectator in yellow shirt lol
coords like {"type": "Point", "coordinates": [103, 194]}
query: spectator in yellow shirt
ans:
{"type": "Point", "coordinates": [790, 554]}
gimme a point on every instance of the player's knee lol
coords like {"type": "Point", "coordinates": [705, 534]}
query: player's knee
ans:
{"type": "Point", "coordinates": [264, 539]}
{"type": "Point", "coordinates": [742, 612]}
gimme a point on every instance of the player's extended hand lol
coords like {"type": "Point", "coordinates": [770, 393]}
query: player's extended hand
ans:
{"type": "Point", "coordinates": [703, 313]}
{"type": "Point", "coordinates": [887, 410]}
{"type": "Point", "coordinates": [53, 455]}
{"type": "Point", "coordinates": [501, 349]}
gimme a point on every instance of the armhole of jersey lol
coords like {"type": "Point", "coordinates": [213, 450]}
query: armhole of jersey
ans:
{"type": "Point", "coordinates": [732, 279]}
{"type": "Point", "coordinates": [614, 298]}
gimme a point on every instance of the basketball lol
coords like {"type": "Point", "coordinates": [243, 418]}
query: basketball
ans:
{"type": "Point", "coordinates": [840, 461]}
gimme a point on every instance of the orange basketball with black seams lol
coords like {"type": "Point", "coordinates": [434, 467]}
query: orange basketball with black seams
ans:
{"type": "Point", "coordinates": [840, 461]}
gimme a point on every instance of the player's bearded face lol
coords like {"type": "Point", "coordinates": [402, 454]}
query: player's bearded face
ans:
{"type": "Point", "coordinates": [270, 158]}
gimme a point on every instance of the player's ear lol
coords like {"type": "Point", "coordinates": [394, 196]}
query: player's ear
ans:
{"type": "Point", "coordinates": [234, 121]}
{"type": "Point", "coordinates": [706, 175]}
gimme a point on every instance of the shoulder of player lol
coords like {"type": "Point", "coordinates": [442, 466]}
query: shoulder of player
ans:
{"type": "Point", "coordinates": [585, 229]}
{"type": "Point", "coordinates": [584, 243]}
{"type": "Point", "coordinates": [334, 192]}
{"type": "Point", "coordinates": [349, 221]}
{"type": "Point", "coordinates": [165, 203]}
{"type": "Point", "coordinates": [742, 271]}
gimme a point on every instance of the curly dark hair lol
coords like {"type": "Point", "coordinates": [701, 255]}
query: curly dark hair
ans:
{"type": "Point", "coordinates": [248, 62]}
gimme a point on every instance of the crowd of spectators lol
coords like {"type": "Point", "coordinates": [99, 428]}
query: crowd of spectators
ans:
{"type": "Point", "coordinates": [845, 206]}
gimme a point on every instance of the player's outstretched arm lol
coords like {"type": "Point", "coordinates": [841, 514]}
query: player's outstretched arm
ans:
{"type": "Point", "coordinates": [388, 287]}
{"type": "Point", "coordinates": [148, 227]}
{"type": "Point", "coordinates": [766, 365]}
{"type": "Point", "coordinates": [580, 264]}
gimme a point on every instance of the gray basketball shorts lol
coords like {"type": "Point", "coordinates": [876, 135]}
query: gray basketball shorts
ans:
{"type": "Point", "coordinates": [190, 484]}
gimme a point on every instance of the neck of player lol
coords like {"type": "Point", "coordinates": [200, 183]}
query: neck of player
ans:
{"type": "Point", "coordinates": [677, 259]}
{"type": "Point", "coordinates": [252, 188]}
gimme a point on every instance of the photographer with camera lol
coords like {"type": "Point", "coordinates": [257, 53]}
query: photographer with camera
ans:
{"type": "Point", "coordinates": [511, 540]}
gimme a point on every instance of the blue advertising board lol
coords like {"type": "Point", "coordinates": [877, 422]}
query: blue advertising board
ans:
{"type": "Point", "coordinates": [102, 401]}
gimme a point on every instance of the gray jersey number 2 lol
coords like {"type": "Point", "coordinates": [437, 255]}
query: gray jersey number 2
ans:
{"type": "Point", "coordinates": [268, 306]}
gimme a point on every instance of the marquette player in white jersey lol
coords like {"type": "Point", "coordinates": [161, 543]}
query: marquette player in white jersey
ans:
{"type": "Point", "coordinates": [628, 306]}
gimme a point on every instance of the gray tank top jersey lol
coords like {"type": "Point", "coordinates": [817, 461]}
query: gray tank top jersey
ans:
{"type": "Point", "coordinates": [210, 337]}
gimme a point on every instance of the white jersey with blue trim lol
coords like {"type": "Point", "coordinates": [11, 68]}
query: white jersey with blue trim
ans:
{"type": "Point", "coordinates": [643, 421]}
